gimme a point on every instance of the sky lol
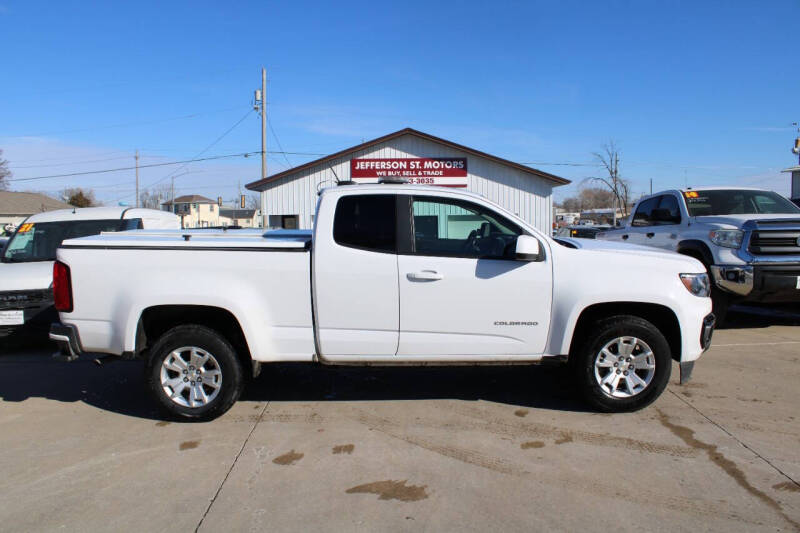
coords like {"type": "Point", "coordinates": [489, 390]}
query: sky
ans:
{"type": "Point", "coordinates": [692, 93]}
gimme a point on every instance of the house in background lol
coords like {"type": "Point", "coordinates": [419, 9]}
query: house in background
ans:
{"type": "Point", "coordinates": [17, 206]}
{"type": "Point", "coordinates": [246, 218]}
{"type": "Point", "coordinates": [195, 211]}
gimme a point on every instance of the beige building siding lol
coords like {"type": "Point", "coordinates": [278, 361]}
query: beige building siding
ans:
{"type": "Point", "coordinates": [526, 195]}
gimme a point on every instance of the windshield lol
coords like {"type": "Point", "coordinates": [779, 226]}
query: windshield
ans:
{"type": "Point", "coordinates": [39, 241]}
{"type": "Point", "coordinates": [737, 202]}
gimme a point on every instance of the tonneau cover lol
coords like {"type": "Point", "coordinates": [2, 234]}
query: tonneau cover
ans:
{"type": "Point", "coordinates": [143, 239]}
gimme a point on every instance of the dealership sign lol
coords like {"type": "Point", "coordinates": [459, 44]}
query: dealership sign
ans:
{"type": "Point", "coordinates": [442, 171]}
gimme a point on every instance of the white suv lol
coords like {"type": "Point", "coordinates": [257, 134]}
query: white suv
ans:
{"type": "Point", "coordinates": [26, 271]}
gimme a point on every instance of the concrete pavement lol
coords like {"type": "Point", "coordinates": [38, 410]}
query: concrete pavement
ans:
{"type": "Point", "coordinates": [349, 449]}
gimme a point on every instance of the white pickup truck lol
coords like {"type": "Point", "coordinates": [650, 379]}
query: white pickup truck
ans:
{"type": "Point", "coordinates": [391, 275]}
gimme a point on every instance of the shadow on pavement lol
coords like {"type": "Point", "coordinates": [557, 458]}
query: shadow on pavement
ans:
{"type": "Point", "coordinates": [119, 386]}
{"type": "Point", "coordinates": [762, 316]}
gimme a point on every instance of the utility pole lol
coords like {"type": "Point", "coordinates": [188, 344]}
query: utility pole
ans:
{"type": "Point", "coordinates": [651, 185]}
{"type": "Point", "coordinates": [137, 177]}
{"type": "Point", "coordinates": [263, 139]}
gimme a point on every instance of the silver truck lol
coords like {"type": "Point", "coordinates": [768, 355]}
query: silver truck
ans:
{"type": "Point", "coordinates": [748, 239]}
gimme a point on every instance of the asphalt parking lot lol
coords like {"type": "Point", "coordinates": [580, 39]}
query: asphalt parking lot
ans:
{"type": "Point", "coordinates": [349, 449]}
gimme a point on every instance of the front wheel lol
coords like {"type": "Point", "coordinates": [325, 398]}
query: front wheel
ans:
{"type": "Point", "coordinates": [624, 364]}
{"type": "Point", "coordinates": [193, 373]}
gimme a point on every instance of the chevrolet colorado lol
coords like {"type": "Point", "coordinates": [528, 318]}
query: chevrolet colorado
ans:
{"type": "Point", "coordinates": [390, 275]}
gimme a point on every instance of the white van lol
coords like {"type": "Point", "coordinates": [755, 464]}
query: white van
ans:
{"type": "Point", "coordinates": [26, 271]}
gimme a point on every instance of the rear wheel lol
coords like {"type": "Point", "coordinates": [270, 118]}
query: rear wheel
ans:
{"type": "Point", "coordinates": [623, 365]}
{"type": "Point", "coordinates": [193, 373]}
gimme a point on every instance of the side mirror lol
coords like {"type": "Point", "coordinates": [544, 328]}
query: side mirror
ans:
{"type": "Point", "coordinates": [528, 249]}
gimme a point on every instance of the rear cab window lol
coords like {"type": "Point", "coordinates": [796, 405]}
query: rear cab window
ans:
{"type": "Point", "coordinates": [367, 222]}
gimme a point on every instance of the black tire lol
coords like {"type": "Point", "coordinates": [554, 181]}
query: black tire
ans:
{"type": "Point", "coordinates": [605, 331]}
{"type": "Point", "coordinates": [232, 377]}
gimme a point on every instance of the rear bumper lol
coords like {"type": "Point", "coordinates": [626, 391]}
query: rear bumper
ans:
{"type": "Point", "coordinates": [69, 344]}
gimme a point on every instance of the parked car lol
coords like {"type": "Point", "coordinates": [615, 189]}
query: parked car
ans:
{"type": "Point", "coordinates": [391, 274]}
{"type": "Point", "coordinates": [581, 232]}
{"type": "Point", "coordinates": [747, 239]}
{"type": "Point", "coordinates": [26, 271]}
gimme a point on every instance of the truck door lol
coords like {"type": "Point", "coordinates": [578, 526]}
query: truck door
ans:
{"type": "Point", "coordinates": [355, 276]}
{"type": "Point", "coordinates": [461, 289]}
{"type": "Point", "coordinates": [667, 220]}
{"type": "Point", "coordinates": [641, 230]}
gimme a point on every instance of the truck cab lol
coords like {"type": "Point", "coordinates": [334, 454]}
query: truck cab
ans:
{"type": "Point", "coordinates": [26, 270]}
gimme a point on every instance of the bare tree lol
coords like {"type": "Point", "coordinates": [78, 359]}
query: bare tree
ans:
{"type": "Point", "coordinates": [253, 201]}
{"type": "Point", "coordinates": [154, 197]}
{"type": "Point", "coordinates": [5, 173]}
{"type": "Point", "coordinates": [588, 198]}
{"type": "Point", "coordinates": [79, 197]}
{"type": "Point", "coordinates": [619, 187]}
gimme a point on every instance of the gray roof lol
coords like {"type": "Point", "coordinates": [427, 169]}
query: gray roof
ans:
{"type": "Point", "coordinates": [28, 203]}
{"type": "Point", "coordinates": [190, 199]}
{"type": "Point", "coordinates": [237, 213]}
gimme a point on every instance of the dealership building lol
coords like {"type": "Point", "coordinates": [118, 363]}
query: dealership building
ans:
{"type": "Point", "coordinates": [288, 199]}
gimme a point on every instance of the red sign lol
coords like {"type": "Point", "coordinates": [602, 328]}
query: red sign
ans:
{"type": "Point", "coordinates": [442, 171]}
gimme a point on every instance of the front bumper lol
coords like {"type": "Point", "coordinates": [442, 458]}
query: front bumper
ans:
{"type": "Point", "coordinates": [706, 333]}
{"type": "Point", "coordinates": [768, 282]}
{"type": "Point", "coordinates": [69, 344]}
{"type": "Point", "coordinates": [36, 306]}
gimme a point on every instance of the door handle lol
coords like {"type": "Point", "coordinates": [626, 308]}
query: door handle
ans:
{"type": "Point", "coordinates": [651, 235]}
{"type": "Point", "coordinates": [425, 275]}
{"type": "Point", "coordinates": [624, 237]}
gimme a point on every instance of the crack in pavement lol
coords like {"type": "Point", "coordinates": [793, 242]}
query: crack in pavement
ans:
{"type": "Point", "coordinates": [737, 439]}
{"type": "Point", "coordinates": [730, 468]}
{"type": "Point", "coordinates": [228, 473]}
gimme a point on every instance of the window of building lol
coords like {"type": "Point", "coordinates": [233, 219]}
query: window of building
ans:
{"type": "Point", "coordinates": [444, 227]}
{"type": "Point", "coordinates": [290, 221]}
{"type": "Point", "coordinates": [368, 222]}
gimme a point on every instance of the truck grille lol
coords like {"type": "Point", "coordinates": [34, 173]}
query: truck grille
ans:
{"type": "Point", "coordinates": [25, 299]}
{"type": "Point", "coordinates": [775, 242]}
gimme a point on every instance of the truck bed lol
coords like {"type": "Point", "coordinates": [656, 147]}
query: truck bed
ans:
{"type": "Point", "coordinates": [264, 281]}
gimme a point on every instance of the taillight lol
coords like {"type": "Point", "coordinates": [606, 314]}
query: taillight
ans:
{"type": "Point", "coordinates": [62, 287]}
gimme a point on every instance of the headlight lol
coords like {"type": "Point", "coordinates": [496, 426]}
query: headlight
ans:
{"type": "Point", "coordinates": [729, 238]}
{"type": "Point", "coordinates": [697, 284]}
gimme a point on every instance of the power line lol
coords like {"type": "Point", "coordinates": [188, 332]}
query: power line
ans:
{"type": "Point", "coordinates": [563, 164]}
{"type": "Point", "coordinates": [74, 162]}
{"type": "Point", "coordinates": [126, 124]}
{"type": "Point", "coordinates": [204, 150]}
{"type": "Point", "coordinates": [71, 157]}
{"type": "Point", "coordinates": [278, 142]}
{"type": "Point", "coordinates": [186, 162]}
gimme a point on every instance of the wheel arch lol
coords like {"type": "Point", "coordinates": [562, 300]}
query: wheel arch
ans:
{"type": "Point", "coordinates": [659, 315]}
{"type": "Point", "coordinates": [156, 320]}
{"type": "Point", "coordinates": [697, 249]}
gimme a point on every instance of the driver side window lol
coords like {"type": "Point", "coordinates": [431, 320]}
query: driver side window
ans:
{"type": "Point", "coordinates": [454, 228]}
